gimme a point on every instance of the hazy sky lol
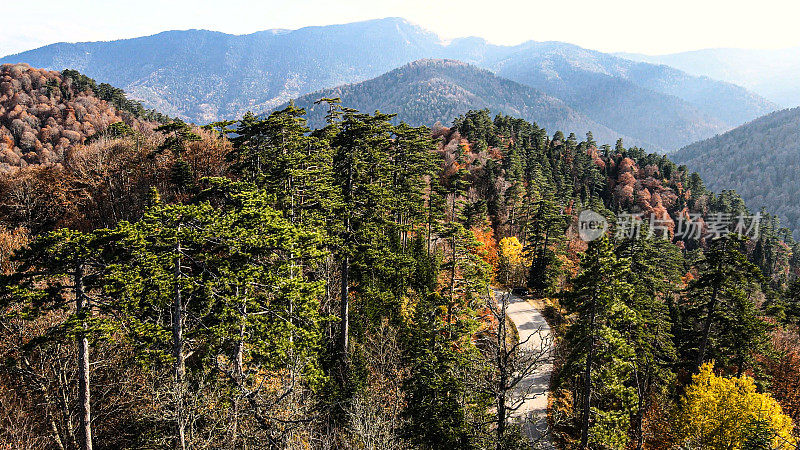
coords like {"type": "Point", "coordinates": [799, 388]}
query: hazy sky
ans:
{"type": "Point", "coordinates": [644, 26]}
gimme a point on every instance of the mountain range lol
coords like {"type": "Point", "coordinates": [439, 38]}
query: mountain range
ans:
{"type": "Point", "coordinates": [655, 103]}
{"type": "Point", "coordinates": [204, 76]}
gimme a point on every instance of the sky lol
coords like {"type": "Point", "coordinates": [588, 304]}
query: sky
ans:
{"type": "Point", "coordinates": [639, 26]}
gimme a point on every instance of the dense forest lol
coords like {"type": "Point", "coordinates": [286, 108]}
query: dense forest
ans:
{"type": "Point", "coordinates": [758, 160]}
{"type": "Point", "coordinates": [262, 284]}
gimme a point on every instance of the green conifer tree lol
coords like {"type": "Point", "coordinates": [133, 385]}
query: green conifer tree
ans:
{"type": "Point", "coordinates": [599, 352]}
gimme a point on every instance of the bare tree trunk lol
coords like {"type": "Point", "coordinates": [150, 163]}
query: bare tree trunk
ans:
{"type": "Point", "coordinates": [430, 218]}
{"type": "Point", "coordinates": [454, 258]}
{"type": "Point", "coordinates": [641, 390]}
{"type": "Point", "coordinates": [639, 427]}
{"type": "Point", "coordinates": [514, 362]}
{"type": "Point", "coordinates": [587, 388]}
{"type": "Point", "coordinates": [55, 434]}
{"type": "Point", "coordinates": [239, 374]}
{"type": "Point", "coordinates": [327, 307]}
{"type": "Point", "coordinates": [180, 363]}
{"type": "Point", "coordinates": [451, 303]}
{"type": "Point", "coordinates": [712, 307]}
{"type": "Point", "coordinates": [65, 400]}
{"type": "Point", "coordinates": [82, 307]}
{"type": "Point", "coordinates": [502, 363]}
{"type": "Point", "coordinates": [345, 309]}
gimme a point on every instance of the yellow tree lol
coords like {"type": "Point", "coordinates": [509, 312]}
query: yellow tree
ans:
{"type": "Point", "coordinates": [727, 413]}
{"type": "Point", "coordinates": [510, 262]}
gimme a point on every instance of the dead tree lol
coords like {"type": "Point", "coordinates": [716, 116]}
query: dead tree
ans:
{"type": "Point", "coordinates": [514, 362]}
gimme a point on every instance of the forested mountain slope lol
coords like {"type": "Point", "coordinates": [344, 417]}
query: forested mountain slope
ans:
{"type": "Point", "coordinates": [428, 91]}
{"type": "Point", "coordinates": [44, 114]}
{"type": "Point", "coordinates": [204, 76]}
{"type": "Point", "coordinates": [760, 160]}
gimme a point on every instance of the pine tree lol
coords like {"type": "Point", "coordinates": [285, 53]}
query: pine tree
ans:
{"type": "Point", "coordinates": [177, 136]}
{"type": "Point", "coordinates": [361, 147]}
{"type": "Point", "coordinates": [411, 165]}
{"type": "Point", "coordinates": [161, 288]}
{"type": "Point", "coordinates": [599, 351]}
{"type": "Point", "coordinates": [723, 322]}
{"type": "Point", "coordinates": [655, 270]}
{"type": "Point", "coordinates": [442, 410]}
{"type": "Point", "coordinates": [279, 155]}
{"type": "Point", "coordinates": [268, 316]}
{"type": "Point", "coordinates": [544, 231]}
{"type": "Point", "coordinates": [793, 302]}
{"type": "Point", "coordinates": [58, 268]}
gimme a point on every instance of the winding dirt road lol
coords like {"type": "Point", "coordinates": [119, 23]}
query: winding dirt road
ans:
{"type": "Point", "coordinates": [532, 327]}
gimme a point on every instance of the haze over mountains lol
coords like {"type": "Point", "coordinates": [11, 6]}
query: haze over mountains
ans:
{"type": "Point", "coordinates": [770, 73]}
{"type": "Point", "coordinates": [654, 103]}
{"type": "Point", "coordinates": [204, 76]}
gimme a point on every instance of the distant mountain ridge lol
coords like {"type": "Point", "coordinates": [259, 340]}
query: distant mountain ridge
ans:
{"type": "Point", "coordinates": [634, 98]}
{"type": "Point", "coordinates": [204, 75]}
{"type": "Point", "coordinates": [760, 160]}
{"type": "Point", "coordinates": [542, 64]}
{"type": "Point", "coordinates": [430, 90]}
{"type": "Point", "coordinates": [770, 73]}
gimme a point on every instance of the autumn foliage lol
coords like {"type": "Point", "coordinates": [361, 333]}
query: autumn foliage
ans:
{"type": "Point", "coordinates": [43, 115]}
{"type": "Point", "coordinates": [719, 412]}
{"type": "Point", "coordinates": [784, 370]}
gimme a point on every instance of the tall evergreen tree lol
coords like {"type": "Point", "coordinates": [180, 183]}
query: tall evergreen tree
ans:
{"type": "Point", "coordinates": [443, 409]}
{"type": "Point", "coordinates": [360, 160]}
{"type": "Point", "coordinates": [162, 288]}
{"type": "Point", "coordinates": [177, 136]}
{"type": "Point", "coordinates": [268, 318]}
{"type": "Point", "coordinates": [279, 155]}
{"type": "Point", "coordinates": [655, 270]}
{"type": "Point", "coordinates": [722, 318]}
{"type": "Point", "coordinates": [544, 232]}
{"type": "Point", "coordinates": [57, 269]}
{"type": "Point", "coordinates": [599, 352]}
